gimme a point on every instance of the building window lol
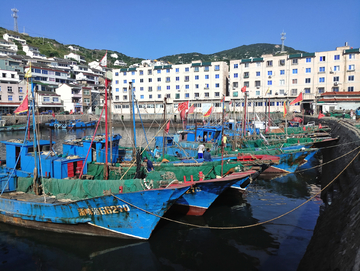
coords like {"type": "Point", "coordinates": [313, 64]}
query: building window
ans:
{"type": "Point", "coordinates": [9, 89]}
{"type": "Point", "coordinates": [177, 96]}
{"type": "Point", "coordinates": [307, 80]}
{"type": "Point", "coordinates": [308, 70]}
{"type": "Point", "coordinates": [351, 78]}
{"type": "Point", "coordinates": [167, 70]}
{"type": "Point", "coordinates": [351, 56]}
{"type": "Point", "coordinates": [149, 72]}
{"type": "Point", "coordinates": [21, 98]}
{"type": "Point", "coordinates": [187, 95]}
{"type": "Point", "coordinates": [168, 96]}
{"type": "Point", "coordinates": [159, 96]}
{"type": "Point", "coordinates": [217, 85]}
{"type": "Point", "coordinates": [187, 86]}
{"type": "Point", "coordinates": [196, 85]}
{"type": "Point", "coordinates": [159, 79]}
{"type": "Point", "coordinates": [336, 89]}
{"type": "Point", "coordinates": [336, 68]}
{"type": "Point", "coordinates": [149, 89]}
{"type": "Point", "coordinates": [206, 94]}
{"type": "Point", "coordinates": [246, 65]}
{"type": "Point", "coordinates": [217, 76]}
{"type": "Point", "coordinates": [282, 91]}
{"type": "Point", "coordinates": [167, 87]}
{"type": "Point", "coordinates": [351, 67]}
{"type": "Point", "coordinates": [206, 68]}
{"type": "Point", "coordinates": [257, 93]}
{"type": "Point", "coordinates": [321, 90]}
{"type": "Point", "coordinates": [294, 61]}
{"type": "Point", "coordinates": [206, 76]}
{"type": "Point", "coordinates": [196, 95]}
{"type": "Point", "coordinates": [159, 88]}
{"type": "Point", "coordinates": [295, 71]}
{"type": "Point", "coordinates": [321, 69]}
{"type": "Point", "coordinates": [46, 99]}
{"type": "Point", "coordinates": [187, 69]}
{"type": "Point", "coordinates": [217, 94]}
{"type": "Point", "coordinates": [282, 72]}
{"type": "Point", "coordinates": [150, 80]}
{"type": "Point", "coordinates": [322, 58]}
{"type": "Point", "coordinates": [177, 70]}
{"type": "Point", "coordinates": [206, 86]}
{"type": "Point", "coordinates": [177, 78]}
{"type": "Point", "coordinates": [336, 78]}
{"type": "Point", "coordinates": [282, 62]}
{"type": "Point", "coordinates": [257, 84]}
{"type": "Point", "coordinates": [269, 82]}
{"type": "Point", "coordinates": [217, 67]}
{"type": "Point", "coordinates": [269, 63]}
{"type": "Point", "coordinates": [55, 99]}
{"type": "Point", "coordinates": [257, 73]}
{"type": "Point", "coordinates": [125, 82]}
{"type": "Point", "coordinates": [158, 71]}
{"type": "Point", "coordinates": [10, 98]}
{"type": "Point", "coordinates": [150, 97]}
{"type": "Point", "coordinates": [246, 84]}
{"type": "Point", "coordinates": [196, 69]}
{"type": "Point", "coordinates": [236, 66]}
{"type": "Point", "coordinates": [269, 73]}
{"type": "Point", "coordinates": [187, 78]}
{"type": "Point", "coordinates": [167, 79]}
{"type": "Point", "coordinates": [196, 77]}
{"type": "Point", "coordinates": [308, 59]}
{"type": "Point", "coordinates": [125, 97]}
{"type": "Point", "coordinates": [307, 90]}
{"type": "Point", "coordinates": [20, 90]}
{"type": "Point", "coordinates": [141, 88]}
{"type": "Point", "coordinates": [236, 75]}
{"type": "Point", "coordinates": [235, 94]}
{"type": "Point", "coordinates": [282, 82]}
{"type": "Point", "coordinates": [294, 91]}
{"type": "Point", "coordinates": [350, 89]}
{"type": "Point", "coordinates": [177, 87]}
{"type": "Point", "coordinates": [336, 57]}
{"type": "Point", "coordinates": [321, 79]}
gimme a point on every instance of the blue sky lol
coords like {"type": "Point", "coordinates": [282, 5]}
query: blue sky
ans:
{"type": "Point", "coordinates": [156, 28]}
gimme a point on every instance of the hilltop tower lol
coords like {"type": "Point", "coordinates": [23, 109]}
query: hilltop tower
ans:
{"type": "Point", "coordinates": [282, 41]}
{"type": "Point", "coordinates": [14, 15]}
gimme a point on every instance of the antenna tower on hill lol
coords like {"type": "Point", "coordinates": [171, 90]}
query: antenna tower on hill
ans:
{"type": "Point", "coordinates": [14, 15]}
{"type": "Point", "coordinates": [282, 41]}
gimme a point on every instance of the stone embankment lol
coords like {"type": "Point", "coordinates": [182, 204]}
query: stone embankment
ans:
{"type": "Point", "coordinates": [335, 244]}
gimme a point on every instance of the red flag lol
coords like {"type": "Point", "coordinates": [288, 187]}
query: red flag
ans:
{"type": "Point", "coordinates": [208, 113]}
{"type": "Point", "coordinates": [230, 102]}
{"type": "Point", "coordinates": [167, 127]}
{"type": "Point", "coordinates": [285, 111]}
{"type": "Point", "coordinates": [71, 112]}
{"type": "Point", "coordinates": [304, 128]}
{"type": "Point", "coordinates": [222, 100]}
{"type": "Point", "coordinates": [298, 99]}
{"type": "Point", "coordinates": [321, 115]}
{"type": "Point", "coordinates": [192, 109]}
{"type": "Point", "coordinates": [53, 114]}
{"type": "Point", "coordinates": [23, 107]}
{"type": "Point", "coordinates": [243, 89]}
{"type": "Point", "coordinates": [183, 114]}
{"type": "Point", "coordinates": [320, 126]}
{"type": "Point", "coordinates": [182, 106]}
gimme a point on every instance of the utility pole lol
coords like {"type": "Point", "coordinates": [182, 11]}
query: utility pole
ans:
{"type": "Point", "coordinates": [131, 115]}
{"type": "Point", "coordinates": [163, 152]}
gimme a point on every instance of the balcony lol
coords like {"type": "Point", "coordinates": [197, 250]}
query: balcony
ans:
{"type": "Point", "coordinates": [76, 95]}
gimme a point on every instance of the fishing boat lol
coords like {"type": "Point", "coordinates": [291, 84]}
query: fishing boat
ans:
{"type": "Point", "coordinates": [78, 124]}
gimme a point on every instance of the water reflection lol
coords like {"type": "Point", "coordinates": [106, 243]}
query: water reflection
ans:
{"type": "Point", "coordinates": [278, 245]}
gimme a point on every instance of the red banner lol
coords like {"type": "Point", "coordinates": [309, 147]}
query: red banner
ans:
{"type": "Point", "coordinates": [208, 113]}
{"type": "Point", "coordinates": [297, 100]}
{"type": "Point", "coordinates": [243, 89]}
{"type": "Point", "coordinates": [23, 107]}
{"type": "Point", "coordinates": [192, 109]}
{"type": "Point", "coordinates": [182, 106]}
{"type": "Point", "coordinates": [321, 115]}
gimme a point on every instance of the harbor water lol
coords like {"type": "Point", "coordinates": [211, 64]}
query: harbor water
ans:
{"type": "Point", "coordinates": [278, 245]}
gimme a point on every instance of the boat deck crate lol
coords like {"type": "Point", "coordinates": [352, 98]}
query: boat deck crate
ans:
{"type": "Point", "coordinates": [8, 185]}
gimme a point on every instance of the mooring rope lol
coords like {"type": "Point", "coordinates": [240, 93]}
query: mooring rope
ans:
{"type": "Point", "coordinates": [251, 225]}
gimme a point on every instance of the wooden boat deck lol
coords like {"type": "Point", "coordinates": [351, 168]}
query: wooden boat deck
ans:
{"type": "Point", "coordinates": [21, 196]}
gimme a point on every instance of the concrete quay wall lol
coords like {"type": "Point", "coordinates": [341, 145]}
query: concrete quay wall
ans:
{"type": "Point", "coordinates": [335, 244]}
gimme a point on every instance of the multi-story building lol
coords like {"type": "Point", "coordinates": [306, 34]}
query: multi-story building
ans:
{"type": "Point", "coordinates": [71, 95]}
{"type": "Point", "coordinates": [77, 57]}
{"type": "Point", "coordinates": [32, 51]}
{"type": "Point", "coordinates": [204, 83]}
{"type": "Point", "coordinates": [282, 78]}
{"type": "Point", "coordinates": [11, 37]}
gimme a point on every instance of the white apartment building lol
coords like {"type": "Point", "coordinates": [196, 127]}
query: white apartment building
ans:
{"type": "Point", "coordinates": [286, 76]}
{"type": "Point", "coordinates": [203, 83]}
{"type": "Point", "coordinates": [10, 37]}
{"type": "Point", "coordinates": [32, 51]}
{"type": "Point", "coordinates": [71, 95]}
{"type": "Point", "coordinates": [8, 45]}
{"type": "Point", "coordinates": [77, 57]}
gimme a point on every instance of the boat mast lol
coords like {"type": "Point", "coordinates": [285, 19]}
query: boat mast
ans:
{"type": "Point", "coordinates": [111, 132]}
{"type": "Point", "coordinates": [222, 135]}
{"type": "Point", "coordinates": [106, 173]}
{"type": "Point", "coordinates": [133, 132]}
{"type": "Point", "coordinates": [163, 152]}
{"type": "Point", "coordinates": [36, 169]}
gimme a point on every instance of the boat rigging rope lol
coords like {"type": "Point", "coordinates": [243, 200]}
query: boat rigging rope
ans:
{"type": "Point", "coordinates": [251, 225]}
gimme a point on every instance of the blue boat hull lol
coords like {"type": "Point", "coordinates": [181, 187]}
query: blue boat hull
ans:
{"type": "Point", "coordinates": [129, 215]}
{"type": "Point", "coordinates": [203, 193]}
